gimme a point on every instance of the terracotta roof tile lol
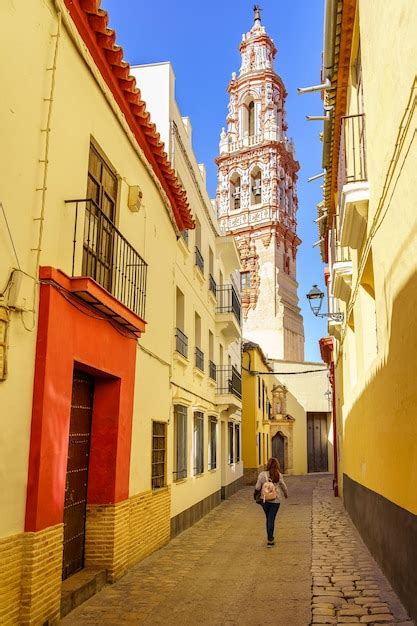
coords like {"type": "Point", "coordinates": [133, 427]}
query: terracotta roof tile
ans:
{"type": "Point", "coordinates": [92, 24]}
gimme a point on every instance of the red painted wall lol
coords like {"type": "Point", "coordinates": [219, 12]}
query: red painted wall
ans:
{"type": "Point", "coordinates": [70, 335]}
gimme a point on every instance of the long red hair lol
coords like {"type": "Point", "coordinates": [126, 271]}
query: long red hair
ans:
{"type": "Point", "coordinates": [274, 469]}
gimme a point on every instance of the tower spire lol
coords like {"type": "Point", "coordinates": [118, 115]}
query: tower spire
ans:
{"type": "Point", "coordinates": [257, 13]}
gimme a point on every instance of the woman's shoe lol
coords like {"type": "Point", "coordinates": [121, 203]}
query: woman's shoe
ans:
{"type": "Point", "coordinates": [270, 544]}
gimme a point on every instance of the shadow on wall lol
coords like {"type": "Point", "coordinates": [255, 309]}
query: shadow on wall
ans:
{"type": "Point", "coordinates": [380, 454]}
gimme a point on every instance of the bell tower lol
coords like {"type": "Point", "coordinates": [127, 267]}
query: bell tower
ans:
{"type": "Point", "coordinates": [257, 200]}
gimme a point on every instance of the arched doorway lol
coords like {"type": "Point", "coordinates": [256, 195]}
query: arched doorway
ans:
{"type": "Point", "coordinates": [278, 449]}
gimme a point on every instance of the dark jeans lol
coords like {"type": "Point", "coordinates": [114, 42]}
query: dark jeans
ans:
{"type": "Point", "coordinates": [271, 510]}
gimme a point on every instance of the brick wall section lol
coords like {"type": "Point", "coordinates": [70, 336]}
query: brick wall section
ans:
{"type": "Point", "coordinates": [149, 523]}
{"type": "Point", "coordinates": [11, 563]}
{"type": "Point", "coordinates": [119, 535]}
{"type": "Point", "coordinates": [41, 576]}
{"type": "Point", "coordinates": [107, 538]}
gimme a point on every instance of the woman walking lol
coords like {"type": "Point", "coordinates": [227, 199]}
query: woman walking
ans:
{"type": "Point", "coordinates": [268, 485]}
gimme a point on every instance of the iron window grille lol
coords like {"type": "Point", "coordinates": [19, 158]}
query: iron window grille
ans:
{"type": "Point", "coordinates": [229, 380]}
{"type": "Point", "coordinates": [198, 442]}
{"type": "Point", "coordinates": [237, 443]}
{"type": "Point", "coordinates": [158, 455]}
{"type": "Point", "coordinates": [212, 460]}
{"type": "Point", "coordinates": [212, 285]}
{"type": "Point", "coordinates": [180, 442]}
{"type": "Point", "coordinates": [228, 301]}
{"type": "Point", "coordinates": [199, 359]}
{"type": "Point", "coordinates": [199, 261]}
{"type": "Point", "coordinates": [212, 371]}
{"type": "Point", "coordinates": [231, 442]}
{"type": "Point", "coordinates": [181, 342]}
{"type": "Point", "coordinates": [108, 258]}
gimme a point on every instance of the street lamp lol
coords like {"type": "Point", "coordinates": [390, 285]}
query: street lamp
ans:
{"type": "Point", "coordinates": [315, 298]}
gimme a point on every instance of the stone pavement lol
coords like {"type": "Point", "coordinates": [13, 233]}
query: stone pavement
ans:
{"type": "Point", "coordinates": [219, 572]}
{"type": "Point", "coordinates": [348, 586]}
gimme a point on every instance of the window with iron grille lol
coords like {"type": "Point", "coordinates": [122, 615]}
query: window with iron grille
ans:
{"type": "Point", "coordinates": [198, 442]}
{"type": "Point", "coordinates": [158, 454]}
{"type": "Point", "coordinates": [212, 459]}
{"type": "Point", "coordinates": [180, 442]}
{"type": "Point", "coordinates": [231, 442]}
{"type": "Point", "coordinates": [237, 443]}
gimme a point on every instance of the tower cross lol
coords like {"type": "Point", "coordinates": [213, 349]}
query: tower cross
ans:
{"type": "Point", "coordinates": [257, 12]}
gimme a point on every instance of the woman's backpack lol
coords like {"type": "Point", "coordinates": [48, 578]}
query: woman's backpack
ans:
{"type": "Point", "coordinates": [268, 491]}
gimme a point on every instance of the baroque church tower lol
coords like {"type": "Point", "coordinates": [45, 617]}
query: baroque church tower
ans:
{"type": "Point", "coordinates": [257, 199]}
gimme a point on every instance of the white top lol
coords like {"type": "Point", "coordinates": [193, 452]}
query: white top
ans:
{"type": "Point", "coordinates": [264, 477]}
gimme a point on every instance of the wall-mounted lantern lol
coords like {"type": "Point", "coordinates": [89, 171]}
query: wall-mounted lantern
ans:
{"type": "Point", "coordinates": [315, 297]}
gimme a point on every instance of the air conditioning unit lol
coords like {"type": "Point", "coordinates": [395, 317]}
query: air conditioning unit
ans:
{"type": "Point", "coordinates": [135, 198]}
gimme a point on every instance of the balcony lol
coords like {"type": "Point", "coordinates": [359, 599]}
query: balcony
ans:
{"type": "Point", "coordinates": [334, 325]}
{"type": "Point", "coordinates": [229, 387]}
{"type": "Point", "coordinates": [199, 359]}
{"type": "Point", "coordinates": [228, 312]}
{"type": "Point", "coordinates": [102, 253]}
{"type": "Point", "coordinates": [199, 261]}
{"type": "Point", "coordinates": [342, 275]}
{"type": "Point", "coordinates": [212, 286]}
{"type": "Point", "coordinates": [212, 371]}
{"type": "Point", "coordinates": [181, 343]}
{"type": "Point", "coordinates": [353, 181]}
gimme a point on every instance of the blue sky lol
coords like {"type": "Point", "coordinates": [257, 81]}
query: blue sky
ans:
{"type": "Point", "coordinates": [201, 39]}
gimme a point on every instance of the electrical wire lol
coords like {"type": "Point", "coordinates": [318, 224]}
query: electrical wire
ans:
{"type": "Point", "coordinates": [10, 235]}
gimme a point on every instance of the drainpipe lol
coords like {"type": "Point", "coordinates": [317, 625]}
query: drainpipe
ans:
{"type": "Point", "coordinates": [335, 462]}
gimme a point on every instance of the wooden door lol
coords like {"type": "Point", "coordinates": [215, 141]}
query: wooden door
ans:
{"type": "Point", "coordinates": [77, 473]}
{"type": "Point", "coordinates": [317, 442]}
{"type": "Point", "coordinates": [278, 450]}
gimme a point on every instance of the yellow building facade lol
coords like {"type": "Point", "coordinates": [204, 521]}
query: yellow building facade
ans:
{"type": "Point", "coordinates": [93, 253]}
{"type": "Point", "coordinates": [368, 230]}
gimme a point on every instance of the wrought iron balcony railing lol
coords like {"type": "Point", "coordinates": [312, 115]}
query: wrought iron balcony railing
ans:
{"type": "Point", "coordinates": [352, 150]}
{"type": "Point", "coordinates": [212, 285]}
{"type": "Point", "coordinates": [199, 261]}
{"type": "Point", "coordinates": [181, 343]}
{"type": "Point", "coordinates": [228, 301]}
{"type": "Point", "coordinates": [199, 359]}
{"type": "Point", "coordinates": [229, 380]}
{"type": "Point", "coordinates": [212, 371]}
{"type": "Point", "coordinates": [108, 257]}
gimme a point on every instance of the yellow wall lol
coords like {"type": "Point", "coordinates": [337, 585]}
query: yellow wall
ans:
{"type": "Point", "coordinates": [378, 403]}
{"type": "Point", "coordinates": [254, 419]}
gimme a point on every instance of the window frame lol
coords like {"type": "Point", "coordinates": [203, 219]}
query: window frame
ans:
{"type": "Point", "coordinates": [198, 443]}
{"type": "Point", "coordinates": [180, 415]}
{"type": "Point", "coordinates": [230, 443]}
{"type": "Point", "coordinates": [156, 478]}
{"type": "Point", "coordinates": [237, 443]}
{"type": "Point", "coordinates": [212, 443]}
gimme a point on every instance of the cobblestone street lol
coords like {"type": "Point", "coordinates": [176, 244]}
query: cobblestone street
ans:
{"type": "Point", "coordinates": [220, 571]}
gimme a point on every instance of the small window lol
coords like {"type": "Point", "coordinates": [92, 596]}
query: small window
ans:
{"type": "Point", "coordinates": [231, 442]}
{"type": "Point", "coordinates": [259, 450]}
{"type": "Point", "coordinates": [158, 454]}
{"type": "Point", "coordinates": [180, 441]}
{"type": "Point", "coordinates": [212, 460]}
{"type": "Point", "coordinates": [245, 281]}
{"type": "Point", "coordinates": [259, 392]}
{"type": "Point", "coordinates": [235, 192]}
{"type": "Point", "coordinates": [198, 442]}
{"type": "Point", "coordinates": [237, 443]}
{"type": "Point", "coordinates": [256, 186]}
{"type": "Point", "coordinates": [251, 118]}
